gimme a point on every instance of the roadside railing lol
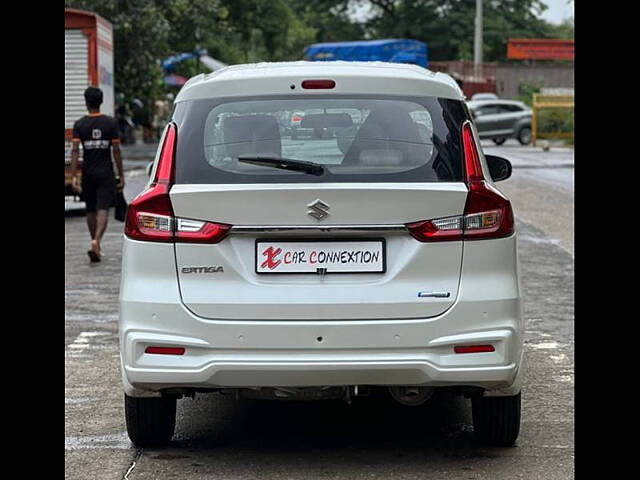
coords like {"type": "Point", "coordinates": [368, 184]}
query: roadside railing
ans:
{"type": "Point", "coordinates": [543, 103]}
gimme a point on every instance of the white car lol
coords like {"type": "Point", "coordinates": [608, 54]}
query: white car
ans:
{"type": "Point", "coordinates": [263, 267]}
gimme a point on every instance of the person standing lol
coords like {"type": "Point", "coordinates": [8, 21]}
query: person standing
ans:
{"type": "Point", "coordinates": [98, 134]}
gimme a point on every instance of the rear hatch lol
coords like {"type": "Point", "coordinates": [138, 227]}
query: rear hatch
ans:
{"type": "Point", "coordinates": [319, 246]}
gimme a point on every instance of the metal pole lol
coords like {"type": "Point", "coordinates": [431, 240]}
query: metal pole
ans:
{"type": "Point", "coordinates": [477, 41]}
{"type": "Point", "coordinates": [534, 120]}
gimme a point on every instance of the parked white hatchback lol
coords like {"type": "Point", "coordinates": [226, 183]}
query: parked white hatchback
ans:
{"type": "Point", "coordinates": [375, 253]}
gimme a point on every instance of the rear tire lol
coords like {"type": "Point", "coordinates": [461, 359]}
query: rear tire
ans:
{"type": "Point", "coordinates": [499, 141]}
{"type": "Point", "coordinates": [150, 421]}
{"type": "Point", "coordinates": [496, 420]}
{"type": "Point", "coordinates": [524, 136]}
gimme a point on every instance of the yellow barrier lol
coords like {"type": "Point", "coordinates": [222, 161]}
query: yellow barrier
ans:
{"type": "Point", "coordinates": [548, 101]}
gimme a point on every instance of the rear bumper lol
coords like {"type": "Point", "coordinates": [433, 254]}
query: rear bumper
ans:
{"type": "Point", "coordinates": [243, 354]}
{"type": "Point", "coordinates": [205, 367]}
{"type": "Point", "coordinates": [253, 354]}
{"type": "Point", "coordinates": [290, 353]}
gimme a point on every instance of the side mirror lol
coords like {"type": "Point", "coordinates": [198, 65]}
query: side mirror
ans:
{"type": "Point", "coordinates": [499, 168]}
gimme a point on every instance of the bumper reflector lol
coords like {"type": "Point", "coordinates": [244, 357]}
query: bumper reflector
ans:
{"type": "Point", "coordinates": [474, 349]}
{"type": "Point", "coordinates": [165, 350]}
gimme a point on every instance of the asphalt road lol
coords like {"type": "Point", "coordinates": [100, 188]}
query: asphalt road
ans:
{"type": "Point", "coordinates": [541, 188]}
{"type": "Point", "coordinates": [217, 437]}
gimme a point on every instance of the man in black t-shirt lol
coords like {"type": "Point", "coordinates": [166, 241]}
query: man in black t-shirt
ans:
{"type": "Point", "coordinates": [98, 135]}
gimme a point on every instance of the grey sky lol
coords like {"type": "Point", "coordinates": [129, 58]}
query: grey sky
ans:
{"type": "Point", "coordinates": [558, 11]}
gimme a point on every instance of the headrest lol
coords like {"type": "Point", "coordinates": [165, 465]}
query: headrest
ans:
{"type": "Point", "coordinates": [248, 128]}
{"type": "Point", "coordinates": [252, 134]}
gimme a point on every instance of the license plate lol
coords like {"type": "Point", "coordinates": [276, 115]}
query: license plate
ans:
{"type": "Point", "coordinates": [320, 256]}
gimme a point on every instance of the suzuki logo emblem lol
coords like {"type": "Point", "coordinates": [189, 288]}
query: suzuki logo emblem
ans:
{"type": "Point", "coordinates": [318, 209]}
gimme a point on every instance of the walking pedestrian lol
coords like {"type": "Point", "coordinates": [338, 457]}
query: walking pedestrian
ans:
{"type": "Point", "coordinates": [98, 134]}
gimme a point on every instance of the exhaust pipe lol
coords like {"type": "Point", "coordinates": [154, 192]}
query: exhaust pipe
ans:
{"type": "Point", "coordinates": [411, 396]}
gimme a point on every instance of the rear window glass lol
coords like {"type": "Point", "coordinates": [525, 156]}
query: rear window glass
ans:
{"type": "Point", "coordinates": [355, 139]}
{"type": "Point", "coordinates": [489, 109]}
{"type": "Point", "coordinates": [511, 108]}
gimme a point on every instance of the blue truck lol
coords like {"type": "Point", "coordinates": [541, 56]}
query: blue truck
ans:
{"type": "Point", "coordinates": [389, 50]}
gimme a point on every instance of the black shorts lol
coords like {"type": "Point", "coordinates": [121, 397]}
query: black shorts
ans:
{"type": "Point", "coordinates": [98, 191]}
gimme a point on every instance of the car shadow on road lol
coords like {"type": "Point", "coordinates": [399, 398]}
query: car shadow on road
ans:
{"type": "Point", "coordinates": [243, 435]}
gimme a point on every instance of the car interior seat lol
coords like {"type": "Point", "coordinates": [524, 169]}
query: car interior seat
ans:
{"type": "Point", "coordinates": [388, 137]}
{"type": "Point", "coordinates": [252, 135]}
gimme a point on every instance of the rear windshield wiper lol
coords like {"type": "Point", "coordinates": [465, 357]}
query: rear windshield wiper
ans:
{"type": "Point", "coordinates": [284, 163]}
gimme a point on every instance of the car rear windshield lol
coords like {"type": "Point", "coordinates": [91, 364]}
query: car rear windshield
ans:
{"type": "Point", "coordinates": [355, 139]}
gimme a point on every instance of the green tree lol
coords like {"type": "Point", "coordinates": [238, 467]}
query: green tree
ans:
{"type": "Point", "coordinates": [268, 29]}
{"type": "Point", "coordinates": [329, 19]}
{"type": "Point", "coordinates": [148, 31]}
{"type": "Point", "coordinates": [564, 30]}
{"type": "Point", "coordinates": [447, 26]}
{"type": "Point", "coordinates": [236, 31]}
{"type": "Point", "coordinates": [141, 33]}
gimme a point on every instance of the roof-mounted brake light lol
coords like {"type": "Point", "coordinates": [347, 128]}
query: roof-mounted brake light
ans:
{"type": "Point", "coordinates": [318, 84]}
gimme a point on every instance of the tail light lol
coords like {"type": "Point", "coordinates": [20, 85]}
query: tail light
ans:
{"type": "Point", "coordinates": [150, 215]}
{"type": "Point", "coordinates": [487, 213]}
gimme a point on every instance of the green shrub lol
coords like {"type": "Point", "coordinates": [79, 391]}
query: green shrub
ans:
{"type": "Point", "coordinates": [526, 91]}
{"type": "Point", "coordinates": [551, 120]}
{"type": "Point", "coordinates": [555, 120]}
